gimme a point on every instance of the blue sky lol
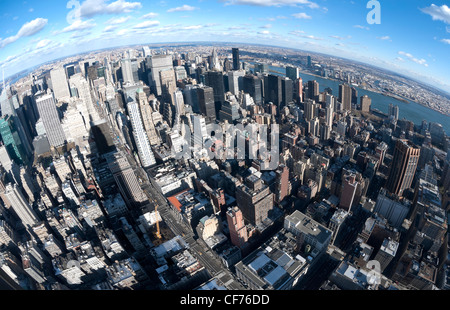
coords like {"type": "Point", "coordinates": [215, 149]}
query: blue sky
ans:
{"type": "Point", "coordinates": [413, 37]}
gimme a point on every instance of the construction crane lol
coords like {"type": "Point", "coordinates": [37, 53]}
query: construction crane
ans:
{"type": "Point", "coordinates": [158, 233]}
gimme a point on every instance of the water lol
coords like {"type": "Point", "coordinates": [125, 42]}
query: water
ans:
{"type": "Point", "coordinates": [411, 110]}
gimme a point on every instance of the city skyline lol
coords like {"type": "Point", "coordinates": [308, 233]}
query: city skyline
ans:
{"type": "Point", "coordinates": [58, 29]}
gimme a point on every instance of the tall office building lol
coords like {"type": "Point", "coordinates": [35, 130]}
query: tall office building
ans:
{"type": "Point", "coordinates": [236, 61]}
{"type": "Point", "coordinates": [16, 200]}
{"type": "Point", "coordinates": [229, 111]}
{"type": "Point", "coordinates": [254, 199]}
{"type": "Point", "coordinates": [147, 119]}
{"type": "Point", "coordinates": [46, 107]}
{"type": "Point", "coordinates": [349, 186]}
{"type": "Point", "coordinates": [299, 90]}
{"type": "Point", "coordinates": [404, 165]}
{"type": "Point", "coordinates": [235, 81]}
{"type": "Point", "coordinates": [12, 141]}
{"type": "Point", "coordinates": [292, 73]}
{"type": "Point", "coordinates": [127, 71]}
{"type": "Point", "coordinates": [191, 97]}
{"type": "Point", "coordinates": [312, 90]}
{"type": "Point", "coordinates": [199, 133]}
{"type": "Point", "coordinates": [156, 64]}
{"type": "Point", "coordinates": [310, 109]}
{"type": "Point", "coordinates": [345, 96]}
{"type": "Point", "coordinates": [287, 91]}
{"type": "Point", "coordinates": [6, 106]}
{"type": "Point", "coordinates": [262, 68]}
{"type": "Point", "coordinates": [126, 179]}
{"type": "Point", "coordinates": [214, 63]}
{"type": "Point", "coordinates": [393, 111]}
{"type": "Point", "coordinates": [205, 96]}
{"type": "Point", "coordinates": [366, 102]}
{"type": "Point", "coordinates": [354, 95]}
{"type": "Point", "coordinates": [274, 92]}
{"type": "Point", "coordinates": [140, 135]}
{"type": "Point", "coordinates": [252, 86]}
{"type": "Point", "coordinates": [215, 80]}
{"type": "Point", "coordinates": [86, 106]}
{"type": "Point", "coordinates": [238, 230]}
{"type": "Point", "coordinates": [59, 84]}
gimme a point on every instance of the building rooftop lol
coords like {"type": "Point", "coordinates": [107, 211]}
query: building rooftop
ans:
{"type": "Point", "coordinates": [308, 226]}
{"type": "Point", "coordinates": [389, 246]}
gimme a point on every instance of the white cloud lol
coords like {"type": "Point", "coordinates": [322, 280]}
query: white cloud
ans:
{"type": "Point", "coordinates": [301, 16]}
{"type": "Point", "coordinates": [27, 30]}
{"type": "Point", "coordinates": [150, 15]}
{"type": "Point", "coordinates": [446, 41]}
{"type": "Point", "coordinates": [441, 13]}
{"type": "Point", "coordinates": [192, 27]}
{"type": "Point", "coordinates": [183, 8]}
{"type": "Point", "coordinates": [78, 25]}
{"type": "Point", "coordinates": [421, 61]}
{"type": "Point", "coordinates": [147, 24]}
{"type": "Point", "coordinates": [310, 4]}
{"type": "Point", "coordinates": [264, 32]}
{"type": "Point", "coordinates": [117, 21]}
{"type": "Point", "coordinates": [361, 27]}
{"type": "Point", "coordinates": [384, 38]}
{"type": "Point", "coordinates": [109, 28]}
{"type": "Point", "coordinates": [90, 8]}
{"type": "Point", "coordinates": [341, 38]}
{"type": "Point", "coordinates": [300, 34]}
{"type": "Point", "coordinates": [267, 26]}
{"type": "Point", "coordinates": [43, 43]}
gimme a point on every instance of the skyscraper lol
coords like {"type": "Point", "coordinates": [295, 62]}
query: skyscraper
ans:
{"type": "Point", "coordinates": [274, 92]}
{"type": "Point", "coordinates": [393, 111]}
{"type": "Point", "coordinates": [287, 91]}
{"type": "Point", "coordinates": [147, 120]}
{"type": "Point", "coordinates": [236, 62]}
{"type": "Point", "coordinates": [366, 102]}
{"type": "Point", "coordinates": [299, 89]}
{"type": "Point", "coordinates": [12, 141]}
{"type": "Point", "coordinates": [292, 73]}
{"type": "Point", "coordinates": [156, 64]}
{"type": "Point", "coordinates": [403, 168]}
{"type": "Point", "coordinates": [345, 96]}
{"type": "Point", "coordinates": [127, 72]}
{"type": "Point", "coordinates": [140, 136]}
{"type": "Point", "coordinates": [349, 186]}
{"type": "Point", "coordinates": [312, 90]}
{"type": "Point", "coordinates": [215, 80]}
{"type": "Point", "coordinates": [254, 199]}
{"type": "Point", "coordinates": [59, 84]}
{"type": "Point", "coordinates": [238, 230]}
{"type": "Point", "coordinates": [126, 179]}
{"type": "Point", "coordinates": [16, 200]}
{"type": "Point", "coordinates": [206, 103]}
{"type": "Point", "coordinates": [235, 81]}
{"type": "Point", "coordinates": [310, 109]}
{"type": "Point", "coordinates": [46, 107]}
{"type": "Point", "coordinates": [252, 86]}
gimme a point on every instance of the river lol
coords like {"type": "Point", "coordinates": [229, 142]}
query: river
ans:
{"type": "Point", "coordinates": [411, 110]}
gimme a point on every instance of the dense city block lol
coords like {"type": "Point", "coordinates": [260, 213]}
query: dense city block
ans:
{"type": "Point", "coordinates": [218, 167]}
